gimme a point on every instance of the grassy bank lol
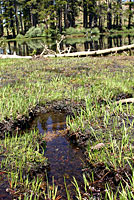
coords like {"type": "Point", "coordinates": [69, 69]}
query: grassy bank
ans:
{"type": "Point", "coordinates": [96, 83]}
{"type": "Point", "coordinates": [25, 84]}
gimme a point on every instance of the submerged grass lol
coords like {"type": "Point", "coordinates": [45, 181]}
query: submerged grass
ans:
{"type": "Point", "coordinates": [96, 83]}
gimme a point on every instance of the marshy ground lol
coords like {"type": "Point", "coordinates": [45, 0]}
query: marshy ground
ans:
{"type": "Point", "coordinates": [86, 91]}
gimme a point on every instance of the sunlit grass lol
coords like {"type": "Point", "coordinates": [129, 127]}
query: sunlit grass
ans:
{"type": "Point", "coordinates": [94, 83]}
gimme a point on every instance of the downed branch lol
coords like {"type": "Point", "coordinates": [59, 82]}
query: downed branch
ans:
{"type": "Point", "coordinates": [46, 50]}
{"type": "Point", "coordinates": [14, 56]}
{"type": "Point", "coordinates": [68, 49]}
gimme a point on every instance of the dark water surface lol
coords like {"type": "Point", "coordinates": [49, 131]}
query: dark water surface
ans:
{"type": "Point", "coordinates": [66, 160]}
{"type": "Point", "coordinates": [94, 42]}
{"type": "Point", "coordinates": [4, 185]}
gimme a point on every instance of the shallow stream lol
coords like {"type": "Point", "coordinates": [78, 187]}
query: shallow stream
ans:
{"type": "Point", "coordinates": [66, 160]}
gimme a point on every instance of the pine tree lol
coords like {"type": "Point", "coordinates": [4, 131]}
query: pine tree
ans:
{"type": "Point", "coordinates": [1, 20]}
{"type": "Point", "coordinates": [85, 14]}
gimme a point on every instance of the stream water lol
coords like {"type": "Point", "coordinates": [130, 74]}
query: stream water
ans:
{"type": "Point", "coordinates": [66, 160]}
{"type": "Point", "coordinates": [95, 42]}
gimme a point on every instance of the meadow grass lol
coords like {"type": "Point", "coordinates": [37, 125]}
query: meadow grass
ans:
{"type": "Point", "coordinates": [96, 83]}
{"type": "Point", "coordinates": [23, 157]}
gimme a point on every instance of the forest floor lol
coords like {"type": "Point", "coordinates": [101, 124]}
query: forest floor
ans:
{"type": "Point", "coordinates": [86, 90]}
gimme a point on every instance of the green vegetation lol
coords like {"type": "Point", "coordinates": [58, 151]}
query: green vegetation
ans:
{"type": "Point", "coordinates": [95, 84]}
{"type": "Point", "coordinates": [22, 158]}
{"type": "Point", "coordinates": [51, 17]}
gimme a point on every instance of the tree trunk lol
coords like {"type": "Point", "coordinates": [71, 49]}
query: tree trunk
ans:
{"type": "Point", "coordinates": [21, 23]}
{"type": "Point", "coordinates": [52, 17]}
{"type": "Point", "coordinates": [25, 27]}
{"type": "Point", "coordinates": [130, 14]}
{"type": "Point", "coordinates": [1, 23]}
{"type": "Point", "coordinates": [117, 24]}
{"type": "Point", "coordinates": [120, 16]}
{"type": "Point", "coordinates": [66, 24]}
{"type": "Point", "coordinates": [101, 16]}
{"type": "Point", "coordinates": [100, 23]}
{"type": "Point", "coordinates": [16, 17]}
{"type": "Point", "coordinates": [1, 28]}
{"type": "Point", "coordinates": [31, 17]}
{"type": "Point", "coordinates": [90, 20]}
{"type": "Point", "coordinates": [59, 14]}
{"type": "Point", "coordinates": [73, 13]}
{"type": "Point", "coordinates": [109, 16]}
{"type": "Point", "coordinates": [7, 30]}
{"type": "Point", "coordinates": [85, 21]}
{"type": "Point", "coordinates": [12, 19]}
{"type": "Point", "coordinates": [95, 20]}
{"type": "Point", "coordinates": [35, 19]}
{"type": "Point", "coordinates": [73, 20]}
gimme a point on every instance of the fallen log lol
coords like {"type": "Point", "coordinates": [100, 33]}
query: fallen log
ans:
{"type": "Point", "coordinates": [93, 53]}
{"type": "Point", "coordinates": [78, 54]}
{"type": "Point", "coordinates": [14, 56]}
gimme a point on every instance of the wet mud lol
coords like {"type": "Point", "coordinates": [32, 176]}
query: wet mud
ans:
{"type": "Point", "coordinates": [23, 122]}
{"type": "Point", "coordinates": [4, 183]}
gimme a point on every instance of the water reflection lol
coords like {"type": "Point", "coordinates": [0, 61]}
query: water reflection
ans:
{"type": "Point", "coordinates": [65, 159]}
{"type": "Point", "coordinates": [35, 46]}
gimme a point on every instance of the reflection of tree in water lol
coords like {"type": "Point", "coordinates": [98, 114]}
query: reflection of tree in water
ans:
{"type": "Point", "coordinates": [110, 44]}
{"type": "Point", "coordinates": [86, 46]}
{"type": "Point", "coordinates": [51, 122]}
{"type": "Point", "coordinates": [3, 47]}
{"type": "Point", "coordinates": [96, 44]}
{"type": "Point", "coordinates": [91, 45]}
{"type": "Point", "coordinates": [105, 42]}
{"type": "Point", "coordinates": [35, 46]}
{"type": "Point", "coordinates": [55, 122]}
{"type": "Point", "coordinates": [120, 39]}
{"type": "Point", "coordinates": [8, 47]}
{"type": "Point", "coordinates": [129, 39]}
{"type": "Point", "coordinates": [27, 47]}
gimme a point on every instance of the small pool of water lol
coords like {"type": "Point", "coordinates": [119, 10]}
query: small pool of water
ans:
{"type": "Point", "coordinates": [66, 160]}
